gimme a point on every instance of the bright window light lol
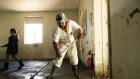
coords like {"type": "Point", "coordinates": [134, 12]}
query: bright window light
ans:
{"type": "Point", "coordinates": [33, 33]}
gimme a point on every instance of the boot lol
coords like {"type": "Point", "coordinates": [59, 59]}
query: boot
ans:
{"type": "Point", "coordinates": [76, 77]}
{"type": "Point", "coordinates": [21, 64]}
{"type": "Point", "coordinates": [50, 77]}
{"type": "Point", "coordinates": [74, 69]}
{"type": "Point", "coordinates": [6, 64]}
{"type": "Point", "coordinates": [52, 73]}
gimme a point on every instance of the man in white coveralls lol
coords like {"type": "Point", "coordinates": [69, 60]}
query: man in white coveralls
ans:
{"type": "Point", "coordinates": [62, 36]}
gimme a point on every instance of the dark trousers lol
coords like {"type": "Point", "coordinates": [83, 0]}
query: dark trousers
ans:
{"type": "Point", "coordinates": [14, 56]}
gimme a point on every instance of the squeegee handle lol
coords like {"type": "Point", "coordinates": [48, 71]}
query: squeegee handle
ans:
{"type": "Point", "coordinates": [70, 45]}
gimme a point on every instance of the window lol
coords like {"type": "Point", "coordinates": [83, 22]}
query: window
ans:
{"type": "Point", "coordinates": [33, 30]}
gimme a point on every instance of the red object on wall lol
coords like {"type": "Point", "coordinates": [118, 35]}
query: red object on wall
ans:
{"type": "Point", "coordinates": [90, 60]}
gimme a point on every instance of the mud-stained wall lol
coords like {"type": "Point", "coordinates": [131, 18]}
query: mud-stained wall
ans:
{"type": "Point", "coordinates": [97, 26]}
{"type": "Point", "coordinates": [86, 43]}
{"type": "Point", "coordinates": [16, 20]}
{"type": "Point", "coordinates": [125, 38]}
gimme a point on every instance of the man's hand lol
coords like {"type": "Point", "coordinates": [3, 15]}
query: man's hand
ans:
{"type": "Point", "coordinates": [80, 33]}
{"type": "Point", "coordinates": [79, 36]}
{"type": "Point", "coordinates": [58, 54]}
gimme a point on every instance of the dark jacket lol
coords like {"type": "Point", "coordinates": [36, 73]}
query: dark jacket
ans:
{"type": "Point", "coordinates": [12, 46]}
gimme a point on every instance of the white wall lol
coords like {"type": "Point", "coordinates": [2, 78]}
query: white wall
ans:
{"type": "Point", "coordinates": [86, 42]}
{"type": "Point", "coordinates": [16, 20]}
{"type": "Point", "coordinates": [125, 39]}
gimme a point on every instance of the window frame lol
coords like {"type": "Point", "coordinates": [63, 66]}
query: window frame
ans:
{"type": "Point", "coordinates": [33, 23]}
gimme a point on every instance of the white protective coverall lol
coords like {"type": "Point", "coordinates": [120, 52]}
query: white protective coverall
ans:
{"type": "Point", "coordinates": [64, 39]}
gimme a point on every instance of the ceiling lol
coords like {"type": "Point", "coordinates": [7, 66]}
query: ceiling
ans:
{"type": "Point", "coordinates": [38, 5]}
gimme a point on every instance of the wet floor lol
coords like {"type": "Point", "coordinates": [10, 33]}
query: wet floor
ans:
{"type": "Point", "coordinates": [31, 67]}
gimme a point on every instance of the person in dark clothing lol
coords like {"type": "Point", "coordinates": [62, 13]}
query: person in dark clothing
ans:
{"type": "Point", "coordinates": [12, 49]}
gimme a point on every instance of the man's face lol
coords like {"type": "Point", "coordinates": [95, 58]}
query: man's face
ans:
{"type": "Point", "coordinates": [62, 23]}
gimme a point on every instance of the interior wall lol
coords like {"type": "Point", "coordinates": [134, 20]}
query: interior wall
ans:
{"type": "Point", "coordinates": [86, 43]}
{"type": "Point", "coordinates": [125, 38]}
{"type": "Point", "coordinates": [97, 35]}
{"type": "Point", "coordinates": [16, 20]}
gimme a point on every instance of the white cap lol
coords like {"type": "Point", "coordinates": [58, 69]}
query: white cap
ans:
{"type": "Point", "coordinates": [60, 17]}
